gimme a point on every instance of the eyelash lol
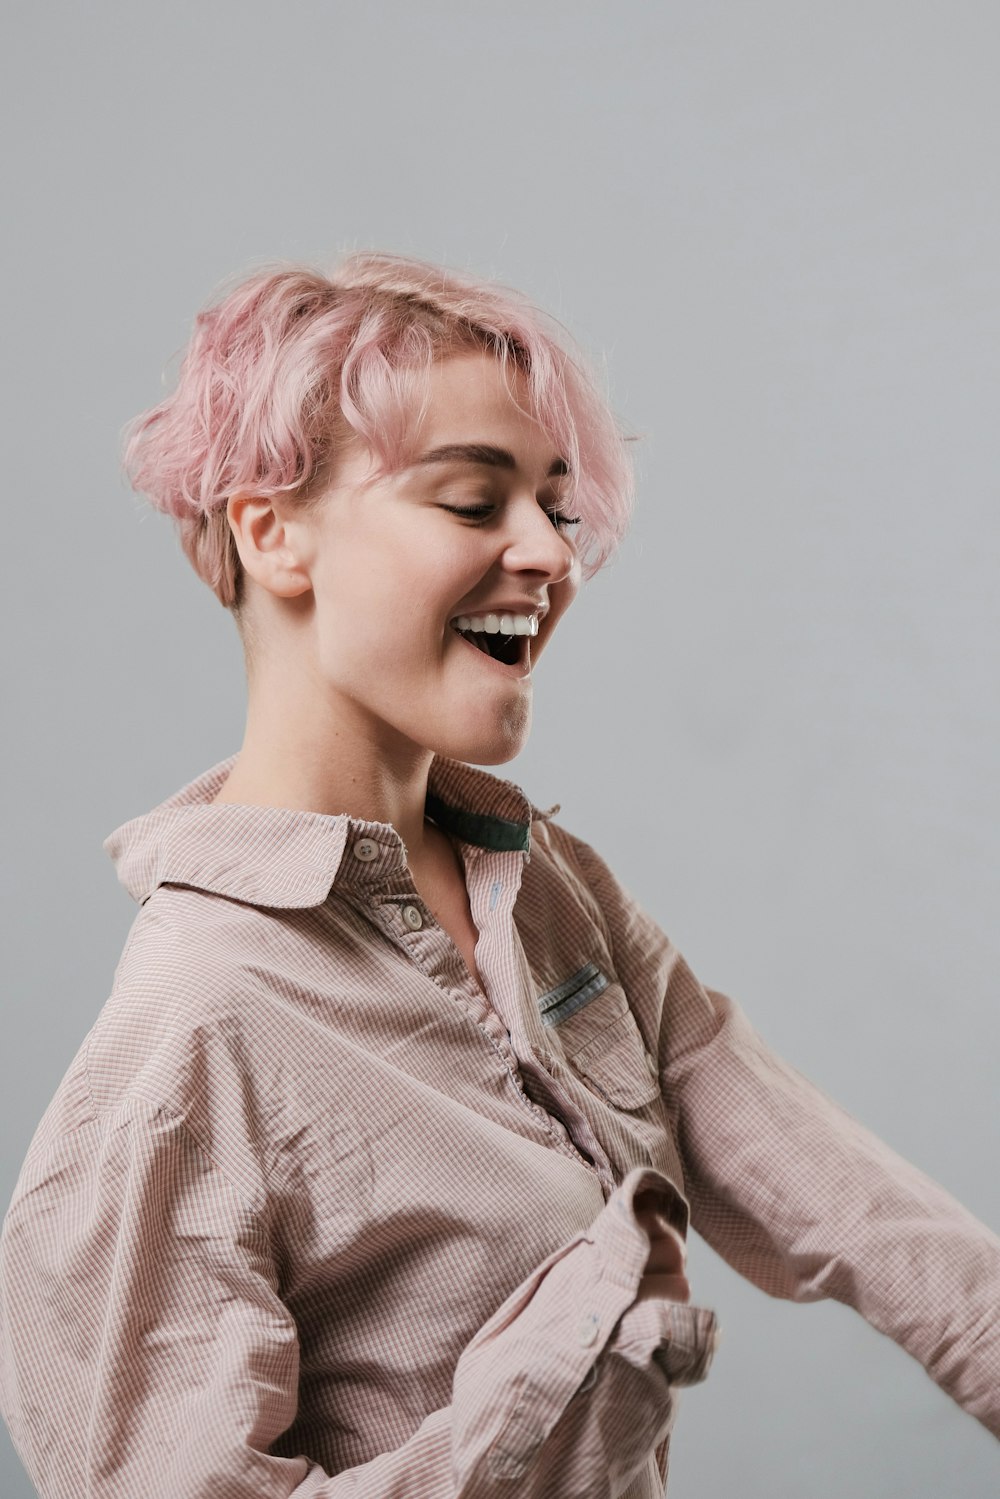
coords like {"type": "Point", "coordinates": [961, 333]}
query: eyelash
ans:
{"type": "Point", "coordinates": [479, 512]}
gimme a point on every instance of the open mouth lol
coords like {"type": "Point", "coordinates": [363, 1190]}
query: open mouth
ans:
{"type": "Point", "coordinates": [508, 649]}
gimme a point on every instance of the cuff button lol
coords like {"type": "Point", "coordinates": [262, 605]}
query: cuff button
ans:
{"type": "Point", "coordinates": [586, 1331]}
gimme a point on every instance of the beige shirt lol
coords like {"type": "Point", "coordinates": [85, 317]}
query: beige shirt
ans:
{"type": "Point", "coordinates": [312, 1214]}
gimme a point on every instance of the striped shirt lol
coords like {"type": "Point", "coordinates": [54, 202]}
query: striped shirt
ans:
{"type": "Point", "coordinates": [314, 1214]}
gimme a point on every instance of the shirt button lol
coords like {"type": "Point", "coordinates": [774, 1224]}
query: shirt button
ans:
{"type": "Point", "coordinates": [366, 849]}
{"type": "Point", "coordinates": [651, 1065]}
{"type": "Point", "coordinates": [413, 918]}
{"type": "Point", "coordinates": [586, 1331]}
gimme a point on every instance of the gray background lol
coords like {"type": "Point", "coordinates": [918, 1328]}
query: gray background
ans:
{"type": "Point", "coordinates": [775, 715]}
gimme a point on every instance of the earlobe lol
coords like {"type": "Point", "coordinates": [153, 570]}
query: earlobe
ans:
{"type": "Point", "coordinates": [265, 541]}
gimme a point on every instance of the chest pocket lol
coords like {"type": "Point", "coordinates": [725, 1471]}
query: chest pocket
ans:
{"type": "Point", "coordinates": [589, 1015]}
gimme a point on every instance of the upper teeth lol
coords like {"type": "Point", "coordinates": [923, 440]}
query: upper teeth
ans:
{"type": "Point", "coordinates": [498, 624]}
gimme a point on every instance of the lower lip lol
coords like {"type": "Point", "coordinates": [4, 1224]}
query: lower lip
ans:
{"type": "Point", "coordinates": [519, 672]}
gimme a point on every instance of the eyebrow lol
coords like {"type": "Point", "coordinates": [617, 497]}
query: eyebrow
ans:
{"type": "Point", "coordinates": [482, 452]}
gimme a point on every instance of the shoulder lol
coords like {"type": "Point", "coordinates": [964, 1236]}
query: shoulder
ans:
{"type": "Point", "coordinates": [177, 981]}
{"type": "Point", "coordinates": [565, 863]}
{"type": "Point", "coordinates": [189, 1029]}
{"type": "Point", "coordinates": [577, 904]}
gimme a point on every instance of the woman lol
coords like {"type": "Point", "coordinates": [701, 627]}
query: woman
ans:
{"type": "Point", "coordinates": [374, 1174]}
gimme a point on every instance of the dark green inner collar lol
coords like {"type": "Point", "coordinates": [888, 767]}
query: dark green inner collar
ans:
{"type": "Point", "coordinates": [478, 827]}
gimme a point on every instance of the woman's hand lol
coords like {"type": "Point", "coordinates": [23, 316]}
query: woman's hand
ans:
{"type": "Point", "coordinates": [664, 1273]}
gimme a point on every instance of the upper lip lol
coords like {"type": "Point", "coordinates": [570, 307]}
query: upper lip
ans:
{"type": "Point", "coordinates": [522, 606]}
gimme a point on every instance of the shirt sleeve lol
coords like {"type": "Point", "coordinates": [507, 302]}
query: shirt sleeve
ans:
{"type": "Point", "coordinates": [146, 1349]}
{"type": "Point", "coordinates": [792, 1191]}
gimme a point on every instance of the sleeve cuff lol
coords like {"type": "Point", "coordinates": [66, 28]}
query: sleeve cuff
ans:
{"type": "Point", "coordinates": [621, 1243]}
{"type": "Point", "coordinates": [680, 1339]}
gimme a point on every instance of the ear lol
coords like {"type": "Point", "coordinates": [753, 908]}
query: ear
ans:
{"type": "Point", "coordinates": [269, 542]}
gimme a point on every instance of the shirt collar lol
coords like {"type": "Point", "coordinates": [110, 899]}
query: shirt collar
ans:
{"type": "Point", "coordinates": [277, 856]}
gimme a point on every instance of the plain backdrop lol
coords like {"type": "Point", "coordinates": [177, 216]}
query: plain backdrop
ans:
{"type": "Point", "coordinates": [776, 228]}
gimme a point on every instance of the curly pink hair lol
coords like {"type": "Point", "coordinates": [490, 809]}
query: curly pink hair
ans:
{"type": "Point", "coordinates": [276, 368]}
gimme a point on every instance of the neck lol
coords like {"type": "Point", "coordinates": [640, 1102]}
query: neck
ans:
{"type": "Point", "coordinates": [334, 770]}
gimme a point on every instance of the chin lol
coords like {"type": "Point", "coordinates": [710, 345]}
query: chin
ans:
{"type": "Point", "coordinates": [495, 747]}
{"type": "Point", "coordinates": [499, 757]}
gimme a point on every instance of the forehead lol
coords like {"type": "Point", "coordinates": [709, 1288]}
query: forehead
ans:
{"type": "Point", "coordinates": [471, 397]}
{"type": "Point", "coordinates": [465, 400]}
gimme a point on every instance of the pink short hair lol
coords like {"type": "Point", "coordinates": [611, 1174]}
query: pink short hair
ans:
{"type": "Point", "coordinates": [276, 368]}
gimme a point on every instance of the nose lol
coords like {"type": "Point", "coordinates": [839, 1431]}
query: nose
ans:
{"type": "Point", "coordinates": [534, 543]}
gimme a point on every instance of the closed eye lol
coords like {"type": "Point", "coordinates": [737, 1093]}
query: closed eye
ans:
{"type": "Point", "coordinates": [474, 512]}
{"type": "Point", "coordinates": [480, 512]}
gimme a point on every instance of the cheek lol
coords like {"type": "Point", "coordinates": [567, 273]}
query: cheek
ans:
{"type": "Point", "coordinates": [564, 592]}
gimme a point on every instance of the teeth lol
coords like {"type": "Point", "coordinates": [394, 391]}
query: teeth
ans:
{"type": "Point", "coordinates": [498, 624]}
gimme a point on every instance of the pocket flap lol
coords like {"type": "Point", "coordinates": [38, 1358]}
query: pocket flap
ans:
{"type": "Point", "coordinates": [618, 1065]}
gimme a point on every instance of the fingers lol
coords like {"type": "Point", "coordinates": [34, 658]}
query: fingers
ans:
{"type": "Point", "coordinates": [666, 1287]}
{"type": "Point", "coordinates": [655, 1222]}
{"type": "Point", "coordinates": [667, 1250]}
{"type": "Point", "coordinates": [664, 1272]}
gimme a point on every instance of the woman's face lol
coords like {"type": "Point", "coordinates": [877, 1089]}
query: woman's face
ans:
{"type": "Point", "coordinates": [392, 565]}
